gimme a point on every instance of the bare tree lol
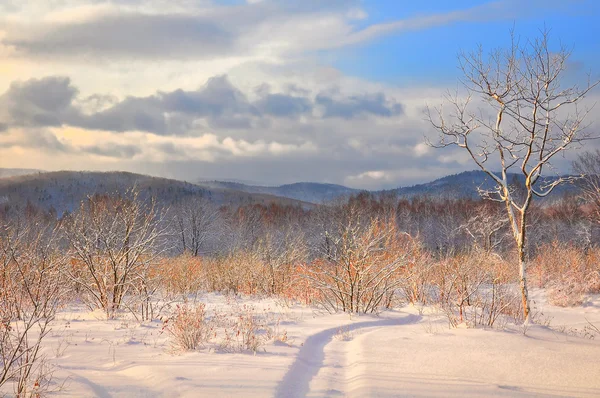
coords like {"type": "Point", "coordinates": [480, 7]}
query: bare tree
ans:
{"type": "Point", "coordinates": [112, 241]}
{"type": "Point", "coordinates": [588, 166]}
{"type": "Point", "coordinates": [195, 220]}
{"type": "Point", "coordinates": [486, 227]}
{"type": "Point", "coordinates": [524, 119]}
{"type": "Point", "coordinates": [30, 293]}
{"type": "Point", "coordinates": [280, 250]}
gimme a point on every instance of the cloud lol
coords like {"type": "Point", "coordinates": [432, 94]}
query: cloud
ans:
{"type": "Point", "coordinates": [283, 105]}
{"type": "Point", "coordinates": [131, 114]}
{"type": "Point", "coordinates": [113, 150]}
{"type": "Point", "coordinates": [51, 101]}
{"type": "Point", "coordinates": [200, 31]}
{"type": "Point", "coordinates": [124, 34]}
{"type": "Point", "coordinates": [37, 102]}
{"type": "Point", "coordinates": [217, 97]}
{"type": "Point", "coordinates": [35, 138]}
{"type": "Point", "coordinates": [347, 108]}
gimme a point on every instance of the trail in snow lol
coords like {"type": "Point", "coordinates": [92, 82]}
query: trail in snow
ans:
{"type": "Point", "coordinates": [397, 354]}
{"type": "Point", "coordinates": [311, 357]}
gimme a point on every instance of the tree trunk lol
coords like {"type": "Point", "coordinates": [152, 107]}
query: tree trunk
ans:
{"type": "Point", "coordinates": [523, 282]}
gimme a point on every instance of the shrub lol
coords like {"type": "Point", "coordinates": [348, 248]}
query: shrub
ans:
{"type": "Point", "coordinates": [567, 272]}
{"type": "Point", "coordinates": [182, 275]}
{"type": "Point", "coordinates": [475, 288]}
{"type": "Point", "coordinates": [189, 328]}
{"type": "Point", "coordinates": [361, 266]}
{"type": "Point", "coordinates": [243, 330]}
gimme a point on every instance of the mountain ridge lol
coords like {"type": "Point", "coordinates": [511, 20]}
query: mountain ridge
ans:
{"type": "Point", "coordinates": [63, 190]}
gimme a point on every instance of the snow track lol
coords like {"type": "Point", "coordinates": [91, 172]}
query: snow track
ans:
{"type": "Point", "coordinates": [315, 366]}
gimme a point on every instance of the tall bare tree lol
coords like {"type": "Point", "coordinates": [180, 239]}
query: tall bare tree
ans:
{"type": "Point", "coordinates": [196, 222]}
{"type": "Point", "coordinates": [524, 118]}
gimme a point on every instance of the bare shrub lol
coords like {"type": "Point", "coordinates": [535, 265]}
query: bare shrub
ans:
{"type": "Point", "coordinates": [189, 328]}
{"type": "Point", "coordinates": [415, 283]}
{"type": "Point", "coordinates": [242, 329]}
{"type": "Point", "coordinates": [567, 272]}
{"type": "Point", "coordinates": [30, 293]}
{"type": "Point", "coordinates": [360, 267]}
{"type": "Point", "coordinates": [236, 272]}
{"type": "Point", "coordinates": [344, 333]}
{"type": "Point", "coordinates": [300, 289]}
{"type": "Point", "coordinates": [474, 288]}
{"type": "Point", "coordinates": [591, 331]}
{"type": "Point", "coordinates": [280, 251]}
{"type": "Point", "coordinates": [182, 275]}
{"type": "Point", "coordinates": [496, 306]}
{"type": "Point", "coordinates": [458, 279]}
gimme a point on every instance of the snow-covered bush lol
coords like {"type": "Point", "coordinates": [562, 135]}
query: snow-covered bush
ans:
{"type": "Point", "coordinates": [112, 242]}
{"type": "Point", "coordinates": [415, 282]}
{"type": "Point", "coordinates": [237, 272]}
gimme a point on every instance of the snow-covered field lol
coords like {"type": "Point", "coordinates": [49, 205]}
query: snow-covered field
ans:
{"type": "Point", "coordinates": [406, 352]}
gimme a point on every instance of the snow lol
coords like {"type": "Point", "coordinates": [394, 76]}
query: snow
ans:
{"type": "Point", "coordinates": [406, 352]}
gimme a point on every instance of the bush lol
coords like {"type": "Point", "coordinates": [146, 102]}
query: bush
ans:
{"type": "Point", "coordinates": [182, 275]}
{"type": "Point", "coordinates": [189, 328]}
{"type": "Point", "coordinates": [361, 266]}
{"type": "Point", "coordinates": [243, 330]}
{"type": "Point", "coordinates": [567, 272]}
{"type": "Point", "coordinates": [475, 288]}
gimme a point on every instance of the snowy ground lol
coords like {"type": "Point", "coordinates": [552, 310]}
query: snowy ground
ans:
{"type": "Point", "coordinates": [400, 353]}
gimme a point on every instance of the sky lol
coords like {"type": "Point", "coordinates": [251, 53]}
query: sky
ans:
{"type": "Point", "coordinates": [265, 91]}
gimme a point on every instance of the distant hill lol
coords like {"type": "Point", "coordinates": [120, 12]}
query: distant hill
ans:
{"type": "Point", "coordinates": [304, 191]}
{"type": "Point", "coordinates": [64, 190]}
{"type": "Point", "coordinates": [464, 186]}
{"type": "Point", "coordinates": [457, 186]}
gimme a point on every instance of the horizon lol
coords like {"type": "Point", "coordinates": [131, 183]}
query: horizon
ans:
{"type": "Point", "coordinates": [202, 181]}
{"type": "Point", "coordinates": [266, 91]}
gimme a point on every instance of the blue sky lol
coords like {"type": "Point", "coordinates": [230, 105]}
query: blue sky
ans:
{"type": "Point", "coordinates": [429, 56]}
{"type": "Point", "coordinates": [271, 91]}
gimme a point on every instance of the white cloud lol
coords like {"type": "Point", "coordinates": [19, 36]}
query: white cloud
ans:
{"type": "Point", "coordinates": [421, 149]}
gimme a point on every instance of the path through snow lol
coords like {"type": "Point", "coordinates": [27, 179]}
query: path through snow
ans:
{"type": "Point", "coordinates": [310, 360]}
{"type": "Point", "coordinates": [398, 354]}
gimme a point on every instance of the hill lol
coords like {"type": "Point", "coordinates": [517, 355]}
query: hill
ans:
{"type": "Point", "coordinates": [304, 191]}
{"type": "Point", "coordinates": [464, 186]}
{"type": "Point", "coordinates": [64, 190]}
